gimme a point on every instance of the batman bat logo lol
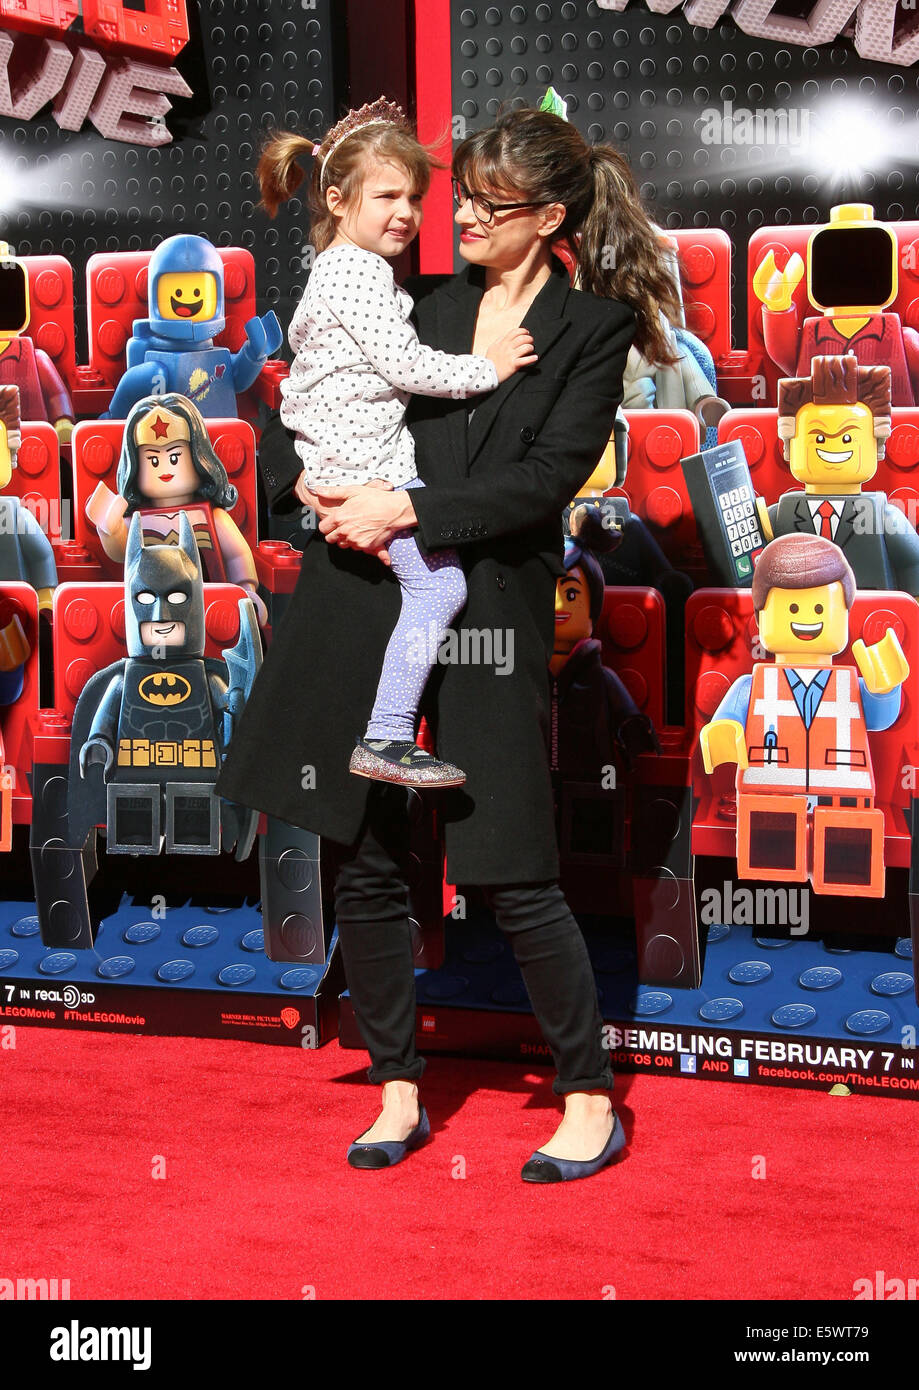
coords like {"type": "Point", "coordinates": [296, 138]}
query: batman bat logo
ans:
{"type": "Point", "coordinates": [164, 688]}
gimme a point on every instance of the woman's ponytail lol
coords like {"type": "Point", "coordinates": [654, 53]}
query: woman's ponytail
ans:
{"type": "Point", "coordinates": [620, 256]}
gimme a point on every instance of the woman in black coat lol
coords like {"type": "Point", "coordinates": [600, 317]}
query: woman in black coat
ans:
{"type": "Point", "coordinates": [495, 486]}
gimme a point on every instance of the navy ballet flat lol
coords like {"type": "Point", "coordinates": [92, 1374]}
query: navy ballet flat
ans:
{"type": "Point", "coordinates": [541, 1167]}
{"type": "Point", "coordinates": [384, 1153]}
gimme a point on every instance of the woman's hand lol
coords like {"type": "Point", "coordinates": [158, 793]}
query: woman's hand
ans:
{"type": "Point", "coordinates": [360, 518]}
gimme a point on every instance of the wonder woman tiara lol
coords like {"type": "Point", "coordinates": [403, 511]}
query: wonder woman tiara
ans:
{"type": "Point", "coordinates": [379, 112]}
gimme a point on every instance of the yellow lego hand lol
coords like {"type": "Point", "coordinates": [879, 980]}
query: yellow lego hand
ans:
{"type": "Point", "coordinates": [63, 429]}
{"type": "Point", "coordinates": [774, 288]}
{"type": "Point", "coordinates": [883, 665]}
{"type": "Point", "coordinates": [762, 516]}
{"type": "Point", "coordinates": [723, 741]}
{"type": "Point", "coordinates": [45, 600]}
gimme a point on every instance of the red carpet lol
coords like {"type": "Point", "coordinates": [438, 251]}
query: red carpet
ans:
{"type": "Point", "coordinates": [257, 1200]}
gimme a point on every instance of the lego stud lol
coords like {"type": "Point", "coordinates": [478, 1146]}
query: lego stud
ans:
{"type": "Point", "coordinates": [713, 628]}
{"type": "Point", "coordinates": [697, 264]}
{"type": "Point", "coordinates": [664, 507]}
{"type": "Point", "coordinates": [34, 457]}
{"type": "Point", "coordinates": [636, 685]}
{"type": "Point", "coordinates": [711, 689]}
{"type": "Point", "coordinates": [80, 619]}
{"type": "Point", "coordinates": [111, 338]}
{"type": "Point", "coordinates": [221, 622]}
{"type": "Point", "coordinates": [110, 286]}
{"type": "Point", "coordinates": [76, 675]}
{"type": "Point", "coordinates": [751, 441]}
{"type": "Point", "coordinates": [231, 451]}
{"type": "Point", "coordinates": [663, 447]}
{"type": "Point", "coordinates": [903, 447]}
{"type": "Point", "coordinates": [294, 870]}
{"type": "Point", "coordinates": [234, 280]}
{"type": "Point", "coordinates": [97, 453]}
{"type": "Point", "coordinates": [47, 288]}
{"type": "Point", "coordinates": [628, 626]}
{"type": "Point", "coordinates": [877, 623]}
{"type": "Point", "coordinates": [700, 319]}
{"type": "Point", "coordinates": [300, 936]}
{"type": "Point", "coordinates": [117, 620]}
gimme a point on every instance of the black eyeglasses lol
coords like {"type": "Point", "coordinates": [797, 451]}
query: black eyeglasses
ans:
{"type": "Point", "coordinates": [483, 210]}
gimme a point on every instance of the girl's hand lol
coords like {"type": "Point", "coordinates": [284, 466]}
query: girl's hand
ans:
{"type": "Point", "coordinates": [513, 351]}
{"type": "Point", "coordinates": [363, 518]}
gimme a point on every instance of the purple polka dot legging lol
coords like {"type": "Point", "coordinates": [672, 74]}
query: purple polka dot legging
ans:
{"type": "Point", "coordinates": [433, 592]}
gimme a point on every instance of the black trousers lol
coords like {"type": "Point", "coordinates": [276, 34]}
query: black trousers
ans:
{"type": "Point", "coordinates": [371, 906]}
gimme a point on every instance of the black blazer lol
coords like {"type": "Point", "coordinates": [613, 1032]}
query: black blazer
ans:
{"type": "Point", "coordinates": [495, 491]}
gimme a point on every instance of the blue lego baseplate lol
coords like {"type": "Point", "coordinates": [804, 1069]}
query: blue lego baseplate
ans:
{"type": "Point", "coordinates": [770, 1009]}
{"type": "Point", "coordinates": [194, 958]}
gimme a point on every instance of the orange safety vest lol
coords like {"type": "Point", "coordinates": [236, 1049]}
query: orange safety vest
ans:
{"type": "Point", "coordinates": [831, 758]}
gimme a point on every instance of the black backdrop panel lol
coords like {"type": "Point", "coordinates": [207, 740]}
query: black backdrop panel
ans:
{"type": "Point", "coordinates": [251, 65]}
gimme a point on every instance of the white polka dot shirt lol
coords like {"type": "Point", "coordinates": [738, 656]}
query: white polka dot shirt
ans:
{"type": "Point", "coordinates": [358, 361]}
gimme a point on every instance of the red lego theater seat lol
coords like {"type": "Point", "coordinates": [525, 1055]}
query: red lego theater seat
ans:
{"type": "Point", "coordinates": [631, 632]}
{"type": "Point", "coordinates": [51, 321]}
{"type": "Point", "coordinates": [897, 474]}
{"type": "Point", "coordinates": [655, 486]}
{"type": "Point", "coordinates": [705, 275]}
{"type": "Point", "coordinates": [784, 242]}
{"type": "Point", "coordinates": [96, 450]}
{"type": "Point", "coordinates": [116, 295]}
{"type": "Point", "coordinates": [89, 633]}
{"type": "Point", "coordinates": [36, 481]}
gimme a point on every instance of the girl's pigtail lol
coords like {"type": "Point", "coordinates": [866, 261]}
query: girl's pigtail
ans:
{"type": "Point", "coordinates": [279, 174]}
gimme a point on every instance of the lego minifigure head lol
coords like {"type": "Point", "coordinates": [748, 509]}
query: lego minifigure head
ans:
{"type": "Point", "coordinates": [803, 588]}
{"type": "Point", "coordinates": [164, 596]}
{"type": "Point", "coordinates": [166, 453]}
{"type": "Point", "coordinates": [15, 310]}
{"type": "Point", "coordinates": [579, 591]}
{"type": "Point", "coordinates": [834, 423]}
{"type": "Point", "coordinates": [185, 290]}
{"type": "Point", "coordinates": [573, 616]}
{"type": "Point", "coordinates": [852, 263]}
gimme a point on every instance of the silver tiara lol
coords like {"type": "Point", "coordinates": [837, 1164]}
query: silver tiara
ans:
{"type": "Point", "coordinates": [379, 112]}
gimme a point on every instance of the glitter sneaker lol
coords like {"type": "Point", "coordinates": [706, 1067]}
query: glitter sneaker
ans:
{"type": "Point", "coordinates": [384, 760]}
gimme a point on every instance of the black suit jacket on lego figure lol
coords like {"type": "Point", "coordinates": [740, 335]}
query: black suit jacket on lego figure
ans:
{"type": "Point", "coordinates": [874, 535]}
{"type": "Point", "coordinates": [495, 488]}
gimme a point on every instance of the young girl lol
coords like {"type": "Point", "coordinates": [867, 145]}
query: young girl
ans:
{"type": "Point", "coordinates": [357, 360]}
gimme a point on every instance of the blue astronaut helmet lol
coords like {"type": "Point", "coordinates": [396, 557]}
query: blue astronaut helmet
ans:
{"type": "Point", "coordinates": [185, 290]}
{"type": "Point", "coordinates": [163, 587]}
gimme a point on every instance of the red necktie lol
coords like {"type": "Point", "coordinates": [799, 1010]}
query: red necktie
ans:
{"type": "Point", "coordinates": [825, 511]}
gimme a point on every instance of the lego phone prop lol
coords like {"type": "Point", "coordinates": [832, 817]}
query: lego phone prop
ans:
{"type": "Point", "coordinates": [724, 505]}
